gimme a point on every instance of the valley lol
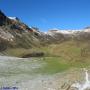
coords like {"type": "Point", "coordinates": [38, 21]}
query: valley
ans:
{"type": "Point", "coordinates": [35, 60]}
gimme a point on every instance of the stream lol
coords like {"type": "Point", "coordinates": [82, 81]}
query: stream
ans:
{"type": "Point", "coordinates": [85, 85]}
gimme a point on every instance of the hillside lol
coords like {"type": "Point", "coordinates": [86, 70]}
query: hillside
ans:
{"type": "Point", "coordinates": [14, 33]}
{"type": "Point", "coordinates": [17, 39]}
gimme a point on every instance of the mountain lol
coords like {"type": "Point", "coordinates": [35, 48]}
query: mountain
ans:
{"type": "Point", "coordinates": [3, 19]}
{"type": "Point", "coordinates": [16, 34]}
{"type": "Point", "coordinates": [70, 34]}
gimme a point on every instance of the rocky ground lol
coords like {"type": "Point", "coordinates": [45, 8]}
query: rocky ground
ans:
{"type": "Point", "coordinates": [60, 81]}
{"type": "Point", "coordinates": [20, 73]}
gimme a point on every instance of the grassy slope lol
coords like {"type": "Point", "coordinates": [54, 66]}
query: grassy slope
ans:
{"type": "Point", "coordinates": [59, 57]}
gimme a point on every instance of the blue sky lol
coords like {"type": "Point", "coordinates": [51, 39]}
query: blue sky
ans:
{"type": "Point", "coordinates": [49, 14]}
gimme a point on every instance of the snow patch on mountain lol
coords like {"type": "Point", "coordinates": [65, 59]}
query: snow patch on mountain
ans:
{"type": "Point", "coordinates": [13, 18]}
{"type": "Point", "coordinates": [68, 32]}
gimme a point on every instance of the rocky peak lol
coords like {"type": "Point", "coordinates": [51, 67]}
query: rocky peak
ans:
{"type": "Point", "coordinates": [3, 19]}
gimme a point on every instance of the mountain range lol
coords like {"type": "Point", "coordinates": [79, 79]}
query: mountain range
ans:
{"type": "Point", "coordinates": [14, 33]}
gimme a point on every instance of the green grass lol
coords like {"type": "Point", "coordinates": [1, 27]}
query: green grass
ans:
{"type": "Point", "coordinates": [53, 65]}
{"type": "Point", "coordinates": [58, 64]}
{"type": "Point", "coordinates": [15, 52]}
{"type": "Point", "coordinates": [34, 66]}
{"type": "Point", "coordinates": [58, 57]}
